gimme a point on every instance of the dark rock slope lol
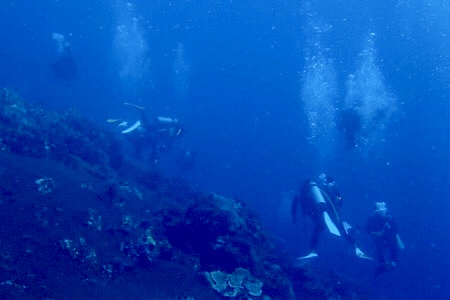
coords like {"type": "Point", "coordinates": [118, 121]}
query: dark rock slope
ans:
{"type": "Point", "coordinates": [78, 222]}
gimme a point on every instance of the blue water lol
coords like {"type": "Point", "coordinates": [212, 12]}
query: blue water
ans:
{"type": "Point", "coordinates": [258, 87]}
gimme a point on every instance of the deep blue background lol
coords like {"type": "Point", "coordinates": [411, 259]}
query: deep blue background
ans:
{"type": "Point", "coordinates": [235, 74]}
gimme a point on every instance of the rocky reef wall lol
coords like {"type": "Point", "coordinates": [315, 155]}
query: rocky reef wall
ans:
{"type": "Point", "coordinates": [75, 222]}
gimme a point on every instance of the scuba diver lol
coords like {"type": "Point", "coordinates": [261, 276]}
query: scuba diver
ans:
{"type": "Point", "coordinates": [350, 124]}
{"type": "Point", "coordinates": [64, 66]}
{"type": "Point", "coordinates": [155, 133]}
{"type": "Point", "coordinates": [384, 232]}
{"type": "Point", "coordinates": [321, 201]}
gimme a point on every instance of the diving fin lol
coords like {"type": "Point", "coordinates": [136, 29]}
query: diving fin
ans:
{"type": "Point", "coordinates": [400, 244]}
{"type": "Point", "coordinates": [113, 120]}
{"type": "Point", "coordinates": [310, 255]}
{"type": "Point", "coordinates": [346, 226]}
{"type": "Point", "coordinates": [361, 254]}
{"type": "Point", "coordinates": [304, 260]}
{"type": "Point", "coordinates": [135, 106]}
{"type": "Point", "coordinates": [330, 225]}
{"type": "Point", "coordinates": [132, 128]}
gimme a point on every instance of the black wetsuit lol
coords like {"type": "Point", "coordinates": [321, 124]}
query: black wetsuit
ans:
{"type": "Point", "coordinates": [64, 66]}
{"type": "Point", "coordinates": [154, 135]}
{"type": "Point", "coordinates": [333, 204]}
{"type": "Point", "coordinates": [383, 230]}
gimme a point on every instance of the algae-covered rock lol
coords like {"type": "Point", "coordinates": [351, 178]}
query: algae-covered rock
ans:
{"type": "Point", "coordinates": [224, 235]}
{"type": "Point", "coordinates": [135, 235]}
{"type": "Point", "coordinates": [29, 129]}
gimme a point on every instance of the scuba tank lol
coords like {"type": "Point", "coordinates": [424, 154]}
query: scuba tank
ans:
{"type": "Point", "coordinates": [320, 206]}
{"type": "Point", "coordinates": [317, 196]}
{"type": "Point", "coordinates": [167, 120]}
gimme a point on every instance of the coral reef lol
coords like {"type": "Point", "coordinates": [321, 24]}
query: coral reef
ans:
{"type": "Point", "coordinates": [239, 283]}
{"type": "Point", "coordinates": [29, 129]}
{"type": "Point", "coordinates": [85, 226]}
{"type": "Point", "coordinates": [226, 236]}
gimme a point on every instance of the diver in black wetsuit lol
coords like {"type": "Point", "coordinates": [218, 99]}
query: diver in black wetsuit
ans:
{"type": "Point", "coordinates": [384, 232]}
{"type": "Point", "coordinates": [64, 66]}
{"type": "Point", "coordinates": [155, 133]}
{"type": "Point", "coordinates": [350, 124]}
{"type": "Point", "coordinates": [322, 201]}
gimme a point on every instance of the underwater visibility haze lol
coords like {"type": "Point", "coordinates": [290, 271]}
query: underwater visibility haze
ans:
{"type": "Point", "coordinates": [244, 101]}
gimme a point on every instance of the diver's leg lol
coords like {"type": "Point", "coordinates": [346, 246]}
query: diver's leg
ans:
{"type": "Point", "coordinates": [319, 227]}
{"type": "Point", "coordinates": [393, 248]}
